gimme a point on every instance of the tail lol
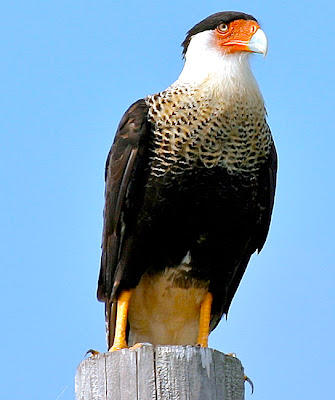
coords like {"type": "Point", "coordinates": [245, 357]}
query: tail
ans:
{"type": "Point", "coordinates": [110, 316]}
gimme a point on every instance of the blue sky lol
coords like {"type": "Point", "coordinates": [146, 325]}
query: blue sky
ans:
{"type": "Point", "coordinates": [69, 70]}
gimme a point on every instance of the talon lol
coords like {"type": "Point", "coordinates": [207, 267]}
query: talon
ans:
{"type": "Point", "coordinates": [92, 352]}
{"type": "Point", "coordinates": [246, 379]}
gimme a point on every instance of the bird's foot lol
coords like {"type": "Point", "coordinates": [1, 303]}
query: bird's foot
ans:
{"type": "Point", "coordinates": [92, 352]}
{"type": "Point", "coordinates": [247, 379]}
{"type": "Point", "coordinates": [136, 346]}
{"type": "Point", "coordinates": [118, 346]}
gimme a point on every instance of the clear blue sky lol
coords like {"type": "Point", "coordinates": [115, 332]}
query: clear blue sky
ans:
{"type": "Point", "coordinates": [69, 70]}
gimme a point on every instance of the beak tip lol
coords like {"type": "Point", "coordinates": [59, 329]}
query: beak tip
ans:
{"type": "Point", "coordinates": [258, 43]}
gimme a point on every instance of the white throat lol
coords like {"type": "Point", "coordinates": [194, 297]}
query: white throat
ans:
{"type": "Point", "coordinates": [210, 68]}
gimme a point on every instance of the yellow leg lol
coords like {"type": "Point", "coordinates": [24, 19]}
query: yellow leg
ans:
{"type": "Point", "coordinates": [205, 318]}
{"type": "Point", "coordinates": [121, 321]}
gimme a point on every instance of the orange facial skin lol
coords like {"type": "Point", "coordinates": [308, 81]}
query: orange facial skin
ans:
{"type": "Point", "coordinates": [234, 37]}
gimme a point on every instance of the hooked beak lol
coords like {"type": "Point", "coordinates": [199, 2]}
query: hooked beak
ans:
{"type": "Point", "coordinates": [258, 43]}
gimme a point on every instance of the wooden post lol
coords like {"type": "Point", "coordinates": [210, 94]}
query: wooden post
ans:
{"type": "Point", "coordinates": [160, 373]}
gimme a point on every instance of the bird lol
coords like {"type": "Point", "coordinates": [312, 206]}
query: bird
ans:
{"type": "Point", "coordinates": [189, 191]}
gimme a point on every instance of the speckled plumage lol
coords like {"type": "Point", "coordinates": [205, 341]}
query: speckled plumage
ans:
{"type": "Point", "coordinates": [192, 129]}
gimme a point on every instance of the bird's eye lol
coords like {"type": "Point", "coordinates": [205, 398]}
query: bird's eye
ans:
{"type": "Point", "coordinates": [223, 28]}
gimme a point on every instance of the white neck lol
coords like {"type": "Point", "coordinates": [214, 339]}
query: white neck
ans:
{"type": "Point", "coordinates": [210, 68]}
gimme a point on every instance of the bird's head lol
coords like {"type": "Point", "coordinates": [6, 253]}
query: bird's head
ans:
{"type": "Point", "coordinates": [228, 32]}
{"type": "Point", "coordinates": [220, 45]}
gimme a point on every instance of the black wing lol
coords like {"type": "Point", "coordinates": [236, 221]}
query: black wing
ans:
{"type": "Point", "coordinates": [124, 168]}
{"type": "Point", "coordinates": [267, 188]}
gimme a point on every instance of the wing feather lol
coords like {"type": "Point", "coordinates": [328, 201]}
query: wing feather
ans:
{"type": "Point", "coordinates": [125, 165]}
{"type": "Point", "coordinates": [267, 187]}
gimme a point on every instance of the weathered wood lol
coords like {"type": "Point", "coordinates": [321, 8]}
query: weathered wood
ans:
{"type": "Point", "coordinates": [161, 373]}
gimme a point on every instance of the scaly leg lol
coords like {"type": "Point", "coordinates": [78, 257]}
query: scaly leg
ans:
{"type": "Point", "coordinates": [121, 321]}
{"type": "Point", "coordinates": [205, 318]}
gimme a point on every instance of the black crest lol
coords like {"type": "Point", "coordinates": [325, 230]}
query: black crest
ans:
{"type": "Point", "coordinates": [212, 22]}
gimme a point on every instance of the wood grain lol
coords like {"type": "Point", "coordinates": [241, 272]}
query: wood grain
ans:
{"type": "Point", "coordinates": [160, 373]}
